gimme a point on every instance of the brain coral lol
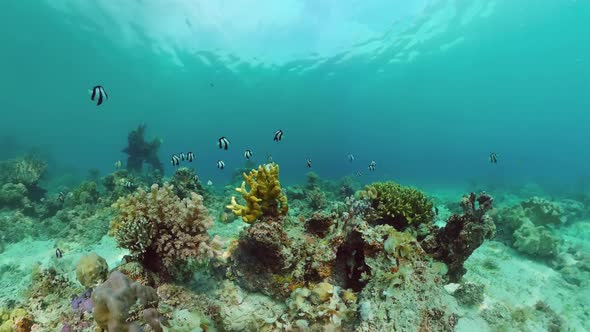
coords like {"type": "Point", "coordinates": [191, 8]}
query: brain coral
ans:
{"type": "Point", "coordinates": [91, 270]}
{"type": "Point", "coordinates": [160, 229]}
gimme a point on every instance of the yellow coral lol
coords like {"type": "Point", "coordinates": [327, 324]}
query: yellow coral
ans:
{"type": "Point", "coordinates": [265, 197]}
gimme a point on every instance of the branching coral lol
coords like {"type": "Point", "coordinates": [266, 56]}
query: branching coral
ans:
{"type": "Point", "coordinates": [455, 242]}
{"type": "Point", "coordinates": [265, 197]}
{"type": "Point", "coordinates": [140, 151]}
{"type": "Point", "coordinates": [396, 205]}
{"type": "Point", "coordinates": [162, 230]}
{"type": "Point", "coordinates": [119, 300]}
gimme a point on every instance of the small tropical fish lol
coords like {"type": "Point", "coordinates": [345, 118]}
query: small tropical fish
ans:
{"type": "Point", "coordinates": [209, 183]}
{"type": "Point", "coordinates": [248, 154]}
{"type": "Point", "coordinates": [196, 178]}
{"type": "Point", "coordinates": [223, 143]}
{"type": "Point", "coordinates": [175, 160]}
{"type": "Point", "coordinates": [118, 164]}
{"type": "Point", "coordinates": [182, 156]}
{"type": "Point", "coordinates": [269, 158]}
{"type": "Point", "coordinates": [494, 158]}
{"type": "Point", "coordinates": [59, 253]}
{"type": "Point", "coordinates": [220, 164]}
{"type": "Point", "coordinates": [350, 157]}
{"type": "Point", "coordinates": [436, 211]}
{"type": "Point", "coordinates": [129, 184]}
{"type": "Point", "coordinates": [372, 165]}
{"type": "Point", "coordinates": [278, 136]}
{"type": "Point", "coordinates": [98, 93]}
{"type": "Point", "coordinates": [190, 157]}
{"type": "Point", "coordinates": [308, 163]}
{"type": "Point", "coordinates": [61, 196]}
{"type": "Point", "coordinates": [359, 173]}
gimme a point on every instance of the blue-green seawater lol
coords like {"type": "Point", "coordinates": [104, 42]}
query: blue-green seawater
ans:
{"type": "Point", "coordinates": [435, 88]}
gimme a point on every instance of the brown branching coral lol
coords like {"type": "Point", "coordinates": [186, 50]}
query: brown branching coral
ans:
{"type": "Point", "coordinates": [455, 242]}
{"type": "Point", "coordinates": [162, 230]}
{"type": "Point", "coordinates": [265, 197]}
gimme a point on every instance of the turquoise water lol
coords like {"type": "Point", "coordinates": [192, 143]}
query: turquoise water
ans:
{"type": "Point", "coordinates": [427, 91]}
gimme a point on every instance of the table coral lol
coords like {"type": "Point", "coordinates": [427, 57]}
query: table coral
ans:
{"type": "Point", "coordinates": [396, 205]}
{"type": "Point", "coordinates": [162, 230]}
{"type": "Point", "coordinates": [265, 197]}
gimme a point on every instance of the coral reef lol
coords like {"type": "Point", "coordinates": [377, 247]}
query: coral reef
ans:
{"type": "Point", "coordinates": [91, 270]}
{"type": "Point", "coordinates": [119, 303]}
{"type": "Point", "coordinates": [316, 199]}
{"type": "Point", "coordinates": [161, 230]}
{"type": "Point", "coordinates": [536, 240]}
{"type": "Point", "coordinates": [185, 181]}
{"type": "Point", "coordinates": [542, 212]}
{"type": "Point", "coordinates": [14, 196]}
{"type": "Point", "coordinates": [139, 151]}
{"type": "Point", "coordinates": [265, 197]}
{"type": "Point", "coordinates": [16, 320]}
{"type": "Point", "coordinates": [263, 258]}
{"type": "Point", "coordinates": [396, 205]}
{"type": "Point", "coordinates": [455, 242]}
{"type": "Point", "coordinates": [324, 307]}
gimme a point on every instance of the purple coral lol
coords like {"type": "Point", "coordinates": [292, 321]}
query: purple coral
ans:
{"type": "Point", "coordinates": [83, 303]}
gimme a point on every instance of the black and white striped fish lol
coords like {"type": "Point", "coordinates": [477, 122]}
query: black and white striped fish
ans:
{"type": "Point", "coordinates": [350, 157]}
{"type": "Point", "coordinates": [494, 158]}
{"type": "Point", "coordinates": [182, 156]}
{"type": "Point", "coordinates": [59, 253]}
{"type": "Point", "coordinates": [372, 165]}
{"type": "Point", "coordinates": [175, 160]}
{"type": "Point", "coordinates": [128, 184]}
{"type": "Point", "coordinates": [61, 196]}
{"type": "Point", "coordinates": [248, 154]}
{"type": "Point", "coordinates": [220, 164]}
{"type": "Point", "coordinates": [190, 157]}
{"type": "Point", "coordinates": [97, 93]}
{"type": "Point", "coordinates": [278, 136]}
{"type": "Point", "coordinates": [223, 143]}
{"type": "Point", "coordinates": [308, 163]}
{"type": "Point", "coordinates": [359, 173]}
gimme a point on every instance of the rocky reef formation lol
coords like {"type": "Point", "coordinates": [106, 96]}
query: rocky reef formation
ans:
{"type": "Point", "coordinates": [139, 151]}
{"type": "Point", "coordinates": [161, 230]}
{"type": "Point", "coordinates": [462, 234]}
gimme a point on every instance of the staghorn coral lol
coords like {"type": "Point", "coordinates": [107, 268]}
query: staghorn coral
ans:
{"type": "Point", "coordinates": [265, 197]}
{"type": "Point", "coordinates": [119, 303]}
{"type": "Point", "coordinates": [396, 205]}
{"type": "Point", "coordinates": [455, 242]}
{"type": "Point", "coordinates": [161, 230]}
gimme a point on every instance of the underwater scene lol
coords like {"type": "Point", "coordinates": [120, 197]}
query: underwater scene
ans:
{"type": "Point", "coordinates": [294, 165]}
